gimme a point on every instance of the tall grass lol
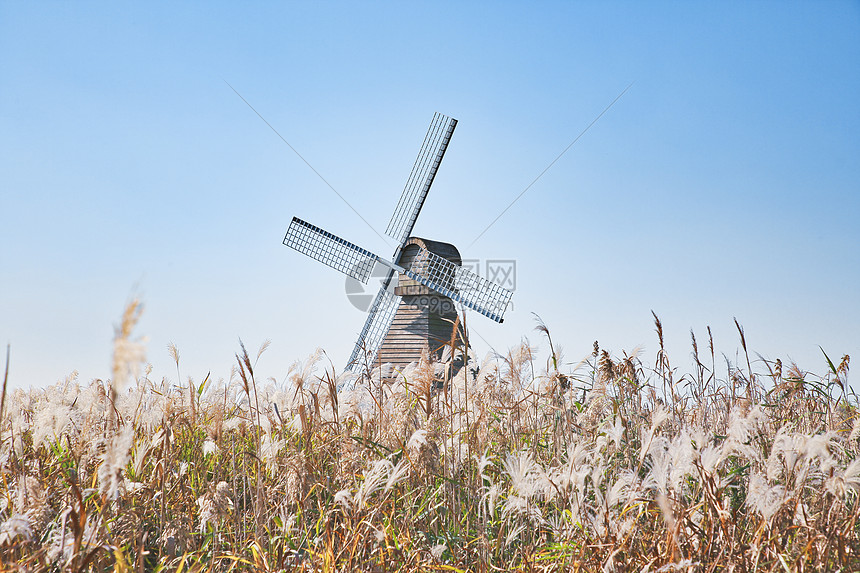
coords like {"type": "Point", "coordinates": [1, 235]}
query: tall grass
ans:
{"type": "Point", "coordinates": [523, 461]}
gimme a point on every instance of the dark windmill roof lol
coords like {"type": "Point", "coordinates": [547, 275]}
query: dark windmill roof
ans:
{"type": "Point", "coordinates": [446, 250]}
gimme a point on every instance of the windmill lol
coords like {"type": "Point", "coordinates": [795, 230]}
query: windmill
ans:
{"type": "Point", "coordinates": [413, 310]}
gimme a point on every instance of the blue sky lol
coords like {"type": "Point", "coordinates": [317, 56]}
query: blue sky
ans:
{"type": "Point", "coordinates": [724, 183]}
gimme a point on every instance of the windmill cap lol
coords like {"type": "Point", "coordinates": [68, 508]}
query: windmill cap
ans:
{"type": "Point", "coordinates": [444, 250]}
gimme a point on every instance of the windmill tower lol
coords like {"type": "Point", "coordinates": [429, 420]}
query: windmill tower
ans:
{"type": "Point", "coordinates": [413, 311]}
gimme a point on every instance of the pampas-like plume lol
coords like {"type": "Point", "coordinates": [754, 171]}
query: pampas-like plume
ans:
{"type": "Point", "coordinates": [114, 460]}
{"type": "Point", "coordinates": [763, 497]}
{"type": "Point", "coordinates": [17, 528]}
{"type": "Point", "coordinates": [522, 471]}
{"type": "Point", "coordinates": [374, 480]}
{"type": "Point", "coordinates": [128, 354]}
{"type": "Point", "coordinates": [500, 467]}
{"type": "Point", "coordinates": [843, 482]}
{"type": "Point", "coordinates": [214, 505]}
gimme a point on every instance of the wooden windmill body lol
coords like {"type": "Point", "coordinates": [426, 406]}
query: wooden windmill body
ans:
{"type": "Point", "coordinates": [425, 321]}
{"type": "Point", "coordinates": [414, 310]}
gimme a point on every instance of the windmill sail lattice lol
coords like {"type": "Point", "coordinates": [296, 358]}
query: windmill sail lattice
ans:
{"type": "Point", "coordinates": [421, 177]}
{"type": "Point", "coordinates": [330, 249]}
{"type": "Point", "coordinates": [379, 320]}
{"type": "Point", "coordinates": [475, 292]}
{"type": "Point", "coordinates": [429, 268]}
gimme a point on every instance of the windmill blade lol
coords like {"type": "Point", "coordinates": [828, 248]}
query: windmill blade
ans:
{"type": "Point", "coordinates": [330, 249]}
{"type": "Point", "coordinates": [421, 178]}
{"type": "Point", "coordinates": [475, 292]}
{"type": "Point", "coordinates": [376, 326]}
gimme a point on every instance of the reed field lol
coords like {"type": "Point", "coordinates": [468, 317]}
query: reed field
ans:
{"type": "Point", "coordinates": [523, 462]}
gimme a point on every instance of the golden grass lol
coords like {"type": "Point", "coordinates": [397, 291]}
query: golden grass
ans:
{"type": "Point", "coordinates": [516, 463]}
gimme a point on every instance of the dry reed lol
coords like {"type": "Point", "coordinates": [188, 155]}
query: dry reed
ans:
{"type": "Point", "coordinates": [604, 465]}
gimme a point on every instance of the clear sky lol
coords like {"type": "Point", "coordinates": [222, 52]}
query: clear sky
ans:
{"type": "Point", "coordinates": [724, 183]}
